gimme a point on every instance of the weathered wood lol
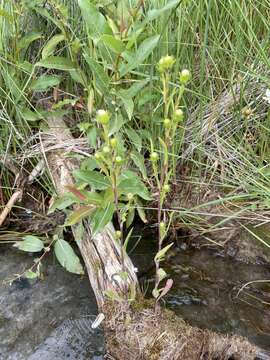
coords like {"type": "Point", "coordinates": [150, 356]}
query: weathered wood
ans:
{"type": "Point", "coordinates": [101, 253]}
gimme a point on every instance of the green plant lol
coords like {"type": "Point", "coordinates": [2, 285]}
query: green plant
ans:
{"type": "Point", "coordinates": [163, 158]}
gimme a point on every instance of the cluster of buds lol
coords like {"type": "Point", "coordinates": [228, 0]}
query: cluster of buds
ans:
{"type": "Point", "coordinates": [165, 63]}
{"type": "Point", "coordinates": [103, 118]}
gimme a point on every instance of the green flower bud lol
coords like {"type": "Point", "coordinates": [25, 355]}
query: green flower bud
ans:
{"type": "Point", "coordinates": [154, 157]}
{"type": "Point", "coordinates": [113, 142]}
{"type": "Point", "coordinates": [118, 234]}
{"type": "Point", "coordinates": [167, 123]}
{"type": "Point", "coordinates": [130, 196]}
{"type": "Point", "coordinates": [165, 63]}
{"type": "Point", "coordinates": [103, 117]}
{"type": "Point", "coordinates": [118, 160]}
{"type": "Point", "coordinates": [97, 155]}
{"type": "Point", "coordinates": [178, 115]}
{"type": "Point", "coordinates": [166, 188]}
{"type": "Point", "coordinates": [162, 226]}
{"type": "Point", "coordinates": [185, 76]}
{"type": "Point", "coordinates": [106, 150]}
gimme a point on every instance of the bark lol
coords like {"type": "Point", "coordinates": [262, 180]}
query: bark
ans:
{"type": "Point", "coordinates": [101, 253]}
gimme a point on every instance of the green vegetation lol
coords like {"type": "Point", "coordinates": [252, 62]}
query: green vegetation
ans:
{"type": "Point", "coordinates": [158, 129]}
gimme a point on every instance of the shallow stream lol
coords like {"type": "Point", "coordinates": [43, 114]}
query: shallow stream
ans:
{"type": "Point", "coordinates": [51, 319]}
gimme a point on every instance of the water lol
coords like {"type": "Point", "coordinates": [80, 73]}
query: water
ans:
{"type": "Point", "coordinates": [51, 319]}
{"type": "Point", "coordinates": [48, 319]}
{"type": "Point", "coordinates": [205, 291]}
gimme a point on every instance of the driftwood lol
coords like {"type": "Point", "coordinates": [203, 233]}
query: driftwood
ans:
{"type": "Point", "coordinates": [137, 332]}
{"type": "Point", "coordinates": [100, 253]}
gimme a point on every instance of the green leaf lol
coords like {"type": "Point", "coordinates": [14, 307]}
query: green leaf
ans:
{"type": "Point", "coordinates": [144, 50]}
{"type": "Point", "coordinates": [78, 214]}
{"type": "Point", "coordinates": [92, 136]}
{"type": "Point", "coordinates": [95, 22]}
{"type": "Point", "coordinates": [79, 76]}
{"type": "Point", "coordinates": [25, 41]}
{"type": "Point", "coordinates": [155, 13]}
{"type": "Point", "coordinates": [30, 115]}
{"type": "Point", "coordinates": [134, 186]}
{"type": "Point", "coordinates": [94, 198]}
{"type": "Point", "coordinates": [30, 243]}
{"type": "Point", "coordinates": [161, 274]}
{"type": "Point", "coordinates": [62, 203]}
{"type": "Point", "coordinates": [89, 164]}
{"type": "Point", "coordinates": [128, 236]}
{"type": "Point", "coordinates": [101, 78]}
{"type": "Point", "coordinates": [44, 12]}
{"type": "Point", "coordinates": [96, 180]}
{"type": "Point", "coordinates": [101, 217]}
{"type": "Point", "coordinates": [155, 293]}
{"type": "Point", "coordinates": [142, 214]}
{"type": "Point", "coordinates": [134, 138]}
{"type": "Point", "coordinates": [57, 63]}
{"type": "Point", "coordinates": [138, 160]}
{"type": "Point", "coordinates": [29, 274]}
{"type": "Point", "coordinates": [67, 257]}
{"type": "Point", "coordinates": [134, 89]}
{"type": "Point", "coordinates": [161, 254]}
{"type": "Point", "coordinates": [114, 44]}
{"type": "Point", "coordinates": [49, 48]}
{"type": "Point", "coordinates": [129, 105]}
{"type": "Point", "coordinates": [44, 82]}
{"type": "Point", "coordinates": [130, 217]}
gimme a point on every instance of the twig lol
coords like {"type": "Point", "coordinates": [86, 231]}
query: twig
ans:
{"type": "Point", "coordinates": [14, 198]}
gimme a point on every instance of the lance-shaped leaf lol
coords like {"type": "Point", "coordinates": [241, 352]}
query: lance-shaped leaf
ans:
{"type": "Point", "coordinates": [144, 50]}
{"type": "Point", "coordinates": [160, 256]}
{"type": "Point", "coordinates": [78, 214]}
{"type": "Point", "coordinates": [95, 22]}
{"type": "Point", "coordinates": [114, 44]}
{"type": "Point", "coordinates": [49, 48]}
{"type": "Point", "coordinates": [44, 82]}
{"type": "Point", "coordinates": [57, 63]}
{"type": "Point", "coordinates": [96, 180]}
{"type": "Point", "coordinates": [30, 243]}
{"type": "Point", "coordinates": [67, 257]}
{"type": "Point", "coordinates": [101, 217]}
{"type": "Point", "coordinates": [134, 186]}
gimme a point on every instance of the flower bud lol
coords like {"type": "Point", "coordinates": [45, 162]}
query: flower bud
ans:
{"type": "Point", "coordinates": [118, 234]}
{"type": "Point", "coordinates": [103, 117]}
{"type": "Point", "coordinates": [185, 76]}
{"type": "Point", "coordinates": [97, 155]}
{"type": "Point", "coordinates": [113, 142]}
{"type": "Point", "coordinates": [118, 160]}
{"type": "Point", "coordinates": [165, 63]}
{"type": "Point", "coordinates": [167, 123]}
{"type": "Point", "coordinates": [106, 150]}
{"type": "Point", "coordinates": [178, 115]}
{"type": "Point", "coordinates": [166, 188]}
{"type": "Point", "coordinates": [130, 196]}
{"type": "Point", "coordinates": [154, 157]}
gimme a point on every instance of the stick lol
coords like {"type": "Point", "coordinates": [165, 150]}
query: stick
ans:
{"type": "Point", "coordinates": [14, 198]}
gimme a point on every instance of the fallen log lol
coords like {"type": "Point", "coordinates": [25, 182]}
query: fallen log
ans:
{"type": "Point", "coordinates": [137, 331]}
{"type": "Point", "coordinates": [101, 253]}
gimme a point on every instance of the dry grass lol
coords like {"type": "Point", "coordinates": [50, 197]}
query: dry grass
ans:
{"type": "Point", "coordinates": [145, 335]}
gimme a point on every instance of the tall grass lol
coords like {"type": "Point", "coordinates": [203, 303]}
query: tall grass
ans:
{"type": "Point", "coordinates": [223, 43]}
